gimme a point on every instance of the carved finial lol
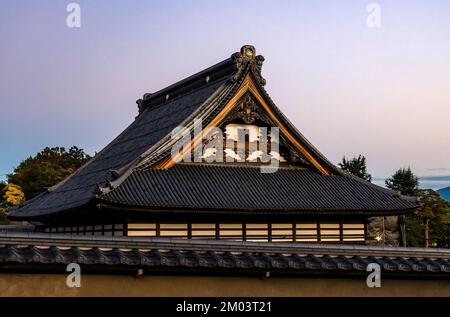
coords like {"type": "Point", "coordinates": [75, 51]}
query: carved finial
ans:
{"type": "Point", "coordinates": [139, 103]}
{"type": "Point", "coordinates": [248, 51]}
{"type": "Point", "coordinates": [247, 58]}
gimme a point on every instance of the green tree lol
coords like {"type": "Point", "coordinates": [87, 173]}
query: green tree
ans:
{"type": "Point", "coordinates": [46, 169]}
{"type": "Point", "coordinates": [356, 166]}
{"type": "Point", "coordinates": [403, 181]}
{"type": "Point", "coordinates": [430, 224]}
{"type": "Point", "coordinates": [3, 219]}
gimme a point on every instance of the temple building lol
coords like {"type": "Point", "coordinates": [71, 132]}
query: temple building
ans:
{"type": "Point", "coordinates": [213, 157]}
{"type": "Point", "coordinates": [212, 191]}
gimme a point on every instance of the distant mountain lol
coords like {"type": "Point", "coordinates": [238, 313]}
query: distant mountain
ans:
{"type": "Point", "coordinates": [445, 193]}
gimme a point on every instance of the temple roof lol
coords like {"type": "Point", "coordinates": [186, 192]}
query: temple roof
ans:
{"type": "Point", "coordinates": [228, 188]}
{"type": "Point", "coordinates": [37, 253]}
{"type": "Point", "coordinates": [124, 173]}
{"type": "Point", "coordinates": [153, 124]}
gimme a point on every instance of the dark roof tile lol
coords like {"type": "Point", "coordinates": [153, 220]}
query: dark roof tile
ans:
{"type": "Point", "coordinates": [216, 187]}
{"type": "Point", "coordinates": [148, 128]}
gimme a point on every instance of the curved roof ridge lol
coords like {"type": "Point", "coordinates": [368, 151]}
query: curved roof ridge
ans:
{"type": "Point", "coordinates": [226, 64]}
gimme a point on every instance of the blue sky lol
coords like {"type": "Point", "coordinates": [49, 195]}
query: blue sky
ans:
{"type": "Point", "coordinates": [383, 92]}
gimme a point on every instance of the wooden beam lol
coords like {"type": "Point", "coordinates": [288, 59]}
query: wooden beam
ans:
{"type": "Point", "coordinates": [247, 86]}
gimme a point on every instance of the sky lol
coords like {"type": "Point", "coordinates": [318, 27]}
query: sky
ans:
{"type": "Point", "coordinates": [383, 92]}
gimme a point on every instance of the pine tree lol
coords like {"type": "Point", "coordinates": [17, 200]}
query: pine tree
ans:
{"type": "Point", "coordinates": [430, 224]}
{"type": "Point", "coordinates": [403, 181]}
{"type": "Point", "coordinates": [356, 166]}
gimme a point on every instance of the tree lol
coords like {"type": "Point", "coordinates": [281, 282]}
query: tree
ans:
{"type": "Point", "coordinates": [430, 224]}
{"type": "Point", "coordinates": [356, 166]}
{"type": "Point", "coordinates": [403, 181]}
{"type": "Point", "coordinates": [13, 195]}
{"type": "Point", "coordinates": [46, 169]}
{"type": "Point", "coordinates": [3, 219]}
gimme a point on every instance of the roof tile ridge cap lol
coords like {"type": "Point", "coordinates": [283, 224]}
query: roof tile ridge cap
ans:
{"type": "Point", "coordinates": [187, 93]}
{"type": "Point", "coordinates": [365, 250]}
{"type": "Point", "coordinates": [389, 251]}
{"type": "Point", "coordinates": [300, 134]}
{"type": "Point", "coordinates": [165, 141]}
{"type": "Point", "coordinates": [183, 81]}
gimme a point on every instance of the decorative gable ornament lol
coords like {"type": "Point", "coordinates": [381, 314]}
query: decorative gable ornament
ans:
{"type": "Point", "coordinates": [246, 59]}
{"type": "Point", "coordinates": [248, 111]}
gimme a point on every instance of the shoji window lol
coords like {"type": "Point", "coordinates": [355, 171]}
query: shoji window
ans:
{"type": "Point", "coordinates": [142, 229]}
{"type": "Point", "coordinates": [257, 232]}
{"type": "Point", "coordinates": [353, 232]}
{"type": "Point", "coordinates": [306, 232]}
{"type": "Point", "coordinates": [282, 232]}
{"type": "Point", "coordinates": [330, 232]}
{"type": "Point", "coordinates": [203, 231]}
{"type": "Point", "coordinates": [174, 230]}
{"type": "Point", "coordinates": [230, 231]}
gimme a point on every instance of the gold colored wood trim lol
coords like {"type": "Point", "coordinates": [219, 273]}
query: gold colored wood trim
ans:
{"type": "Point", "coordinates": [248, 86]}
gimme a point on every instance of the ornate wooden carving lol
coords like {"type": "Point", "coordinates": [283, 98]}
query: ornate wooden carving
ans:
{"type": "Point", "coordinates": [248, 111]}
